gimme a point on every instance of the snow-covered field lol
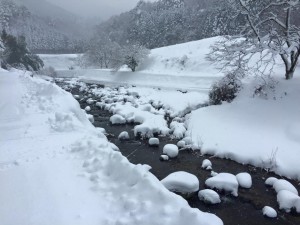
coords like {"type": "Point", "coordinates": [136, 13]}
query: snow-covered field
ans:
{"type": "Point", "coordinates": [56, 168]}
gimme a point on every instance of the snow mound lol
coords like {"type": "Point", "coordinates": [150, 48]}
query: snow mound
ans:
{"type": "Point", "coordinates": [244, 180]}
{"type": "Point", "coordinates": [117, 119]}
{"type": "Point", "coordinates": [153, 142]}
{"type": "Point", "coordinates": [87, 109]}
{"type": "Point", "coordinates": [209, 196]}
{"type": "Point", "coordinates": [270, 181]}
{"type": "Point", "coordinates": [181, 182]}
{"type": "Point", "coordinates": [123, 136]}
{"type": "Point", "coordinates": [288, 200]}
{"type": "Point", "coordinates": [224, 181]}
{"type": "Point", "coordinates": [269, 212]}
{"type": "Point", "coordinates": [181, 144]}
{"type": "Point", "coordinates": [281, 184]}
{"type": "Point", "coordinates": [164, 158]}
{"type": "Point", "coordinates": [206, 164]}
{"type": "Point", "coordinates": [177, 129]}
{"type": "Point", "coordinates": [171, 150]}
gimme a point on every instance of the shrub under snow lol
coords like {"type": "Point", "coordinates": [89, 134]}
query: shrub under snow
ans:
{"type": "Point", "coordinates": [225, 90]}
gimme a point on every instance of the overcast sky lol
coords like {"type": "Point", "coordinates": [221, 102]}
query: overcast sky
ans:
{"type": "Point", "coordinates": [96, 8]}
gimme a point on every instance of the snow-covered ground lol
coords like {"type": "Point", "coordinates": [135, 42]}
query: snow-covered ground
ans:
{"type": "Point", "coordinates": [60, 61]}
{"type": "Point", "coordinates": [264, 132]}
{"type": "Point", "coordinates": [57, 169]}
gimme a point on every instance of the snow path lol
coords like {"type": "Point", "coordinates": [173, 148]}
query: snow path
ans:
{"type": "Point", "coordinates": [57, 169]}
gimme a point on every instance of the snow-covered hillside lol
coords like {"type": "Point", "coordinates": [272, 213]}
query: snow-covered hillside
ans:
{"type": "Point", "coordinates": [56, 168]}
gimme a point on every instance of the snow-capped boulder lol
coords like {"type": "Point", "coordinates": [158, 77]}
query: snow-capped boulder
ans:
{"type": "Point", "coordinates": [209, 196]}
{"type": "Point", "coordinates": [178, 129]}
{"type": "Point", "coordinates": [224, 181]}
{"type": "Point", "coordinates": [123, 136]}
{"type": "Point", "coordinates": [244, 180]}
{"type": "Point", "coordinates": [181, 144]}
{"type": "Point", "coordinates": [171, 150]}
{"type": "Point", "coordinates": [90, 101]}
{"type": "Point", "coordinates": [87, 109]}
{"type": "Point", "coordinates": [288, 200]}
{"type": "Point", "coordinates": [164, 158]}
{"type": "Point", "coordinates": [91, 118]}
{"type": "Point", "coordinates": [117, 119]}
{"type": "Point", "coordinates": [76, 97]}
{"type": "Point", "coordinates": [153, 142]}
{"type": "Point", "coordinates": [181, 182]}
{"type": "Point", "coordinates": [269, 212]}
{"type": "Point", "coordinates": [281, 184]}
{"type": "Point", "coordinates": [206, 164]}
{"type": "Point", "coordinates": [270, 181]}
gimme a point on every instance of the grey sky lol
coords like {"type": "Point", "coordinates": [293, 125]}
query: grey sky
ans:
{"type": "Point", "coordinates": [96, 8]}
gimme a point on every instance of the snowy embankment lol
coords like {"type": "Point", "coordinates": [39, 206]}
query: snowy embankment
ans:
{"type": "Point", "coordinates": [57, 169]}
{"type": "Point", "coordinates": [255, 130]}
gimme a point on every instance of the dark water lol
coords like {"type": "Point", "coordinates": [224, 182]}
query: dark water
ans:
{"type": "Point", "coordinates": [243, 210]}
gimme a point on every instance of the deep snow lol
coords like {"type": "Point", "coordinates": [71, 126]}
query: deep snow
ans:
{"type": "Point", "coordinates": [56, 168]}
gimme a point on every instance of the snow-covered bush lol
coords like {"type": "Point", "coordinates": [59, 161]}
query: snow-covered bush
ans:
{"type": "Point", "coordinates": [132, 56]}
{"type": "Point", "coordinates": [226, 89]}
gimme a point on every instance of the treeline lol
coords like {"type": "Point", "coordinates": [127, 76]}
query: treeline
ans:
{"type": "Point", "coordinates": [168, 22]}
{"type": "Point", "coordinates": [43, 33]}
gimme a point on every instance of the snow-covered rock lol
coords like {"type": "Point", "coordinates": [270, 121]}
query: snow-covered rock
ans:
{"type": "Point", "coordinates": [206, 164]}
{"type": "Point", "coordinates": [281, 184]}
{"type": "Point", "coordinates": [224, 181]}
{"type": "Point", "coordinates": [123, 136]}
{"type": "Point", "coordinates": [209, 196]}
{"type": "Point", "coordinates": [87, 109]}
{"type": "Point", "coordinates": [164, 158]}
{"type": "Point", "coordinates": [181, 144]}
{"type": "Point", "coordinates": [91, 118]}
{"type": "Point", "coordinates": [76, 97]}
{"type": "Point", "coordinates": [90, 101]}
{"type": "Point", "coordinates": [117, 119]}
{"type": "Point", "coordinates": [288, 200]}
{"type": "Point", "coordinates": [181, 182]}
{"type": "Point", "coordinates": [270, 181]}
{"type": "Point", "coordinates": [153, 142]}
{"type": "Point", "coordinates": [178, 129]}
{"type": "Point", "coordinates": [269, 212]}
{"type": "Point", "coordinates": [244, 180]}
{"type": "Point", "coordinates": [171, 150]}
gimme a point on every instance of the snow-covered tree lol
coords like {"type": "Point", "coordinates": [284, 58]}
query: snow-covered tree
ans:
{"type": "Point", "coordinates": [270, 30]}
{"type": "Point", "coordinates": [132, 56]}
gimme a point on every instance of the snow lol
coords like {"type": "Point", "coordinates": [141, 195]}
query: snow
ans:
{"type": "Point", "coordinates": [117, 119]}
{"type": "Point", "coordinates": [56, 168]}
{"type": "Point", "coordinates": [281, 184]}
{"type": "Point", "coordinates": [288, 200]}
{"type": "Point", "coordinates": [209, 196]}
{"type": "Point", "coordinates": [164, 158]}
{"type": "Point", "coordinates": [124, 136]}
{"type": "Point", "coordinates": [269, 212]}
{"type": "Point", "coordinates": [60, 61]}
{"type": "Point", "coordinates": [235, 130]}
{"type": "Point", "coordinates": [153, 142]}
{"type": "Point", "coordinates": [88, 108]}
{"type": "Point", "coordinates": [206, 164]}
{"type": "Point", "coordinates": [244, 180]}
{"type": "Point", "coordinates": [224, 181]}
{"type": "Point", "coordinates": [270, 181]}
{"type": "Point", "coordinates": [181, 182]}
{"type": "Point", "coordinates": [181, 144]}
{"type": "Point", "coordinates": [171, 150]}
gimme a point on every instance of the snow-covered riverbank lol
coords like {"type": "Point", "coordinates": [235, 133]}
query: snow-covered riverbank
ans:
{"type": "Point", "coordinates": [56, 168]}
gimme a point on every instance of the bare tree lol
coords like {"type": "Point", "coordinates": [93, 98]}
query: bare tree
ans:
{"type": "Point", "coordinates": [269, 30]}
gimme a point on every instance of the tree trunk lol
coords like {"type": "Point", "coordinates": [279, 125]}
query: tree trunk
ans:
{"type": "Point", "coordinates": [289, 74]}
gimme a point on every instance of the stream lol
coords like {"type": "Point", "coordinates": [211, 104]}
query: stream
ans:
{"type": "Point", "coordinates": [246, 209]}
